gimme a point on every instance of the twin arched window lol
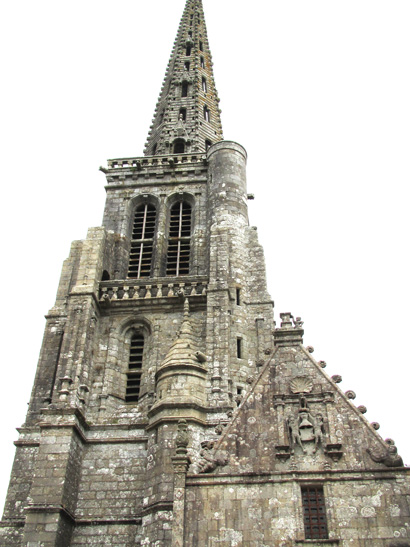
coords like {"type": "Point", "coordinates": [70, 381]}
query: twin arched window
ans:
{"type": "Point", "coordinates": [143, 239]}
{"type": "Point", "coordinates": [179, 240]}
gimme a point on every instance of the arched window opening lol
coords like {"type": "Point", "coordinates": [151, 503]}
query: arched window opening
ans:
{"type": "Point", "coordinates": [142, 241]}
{"type": "Point", "coordinates": [179, 147]}
{"type": "Point", "coordinates": [132, 392]}
{"type": "Point", "coordinates": [184, 89]}
{"type": "Point", "coordinates": [204, 86]}
{"type": "Point", "coordinates": [188, 51]}
{"type": "Point", "coordinates": [201, 46]}
{"type": "Point", "coordinates": [208, 144]}
{"type": "Point", "coordinates": [154, 149]}
{"type": "Point", "coordinates": [202, 62]}
{"type": "Point", "coordinates": [183, 112]}
{"type": "Point", "coordinates": [187, 65]}
{"type": "Point", "coordinates": [207, 114]}
{"type": "Point", "coordinates": [179, 241]}
{"type": "Point", "coordinates": [105, 276]}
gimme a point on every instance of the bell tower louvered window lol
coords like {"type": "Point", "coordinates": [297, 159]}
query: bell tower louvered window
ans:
{"type": "Point", "coordinates": [179, 241]}
{"type": "Point", "coordinates": [142, 241]}
{"type": "Point", "coordinates": [134, 369]}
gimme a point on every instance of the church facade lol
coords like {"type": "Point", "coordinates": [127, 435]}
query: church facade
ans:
{"type": "Point", "coordinates": [168, 408]}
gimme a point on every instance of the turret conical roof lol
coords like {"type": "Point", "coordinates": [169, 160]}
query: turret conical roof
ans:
{"type": "Point", "coordinates": [187, 116]}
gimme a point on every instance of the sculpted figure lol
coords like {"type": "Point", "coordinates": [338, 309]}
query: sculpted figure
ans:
{"type": "Point", "coordinates": [294, 436]}
{"type": "Point", "coordinates": [209, 461]}
{"type": "Point", "coordinates": [318, 430]}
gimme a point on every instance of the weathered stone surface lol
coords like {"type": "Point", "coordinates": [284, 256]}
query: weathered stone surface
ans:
{"type": "Point", "coordinates": [232, 418]}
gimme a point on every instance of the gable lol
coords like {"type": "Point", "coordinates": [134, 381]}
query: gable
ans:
{"type": "Point", "coordinates": [296, 417]}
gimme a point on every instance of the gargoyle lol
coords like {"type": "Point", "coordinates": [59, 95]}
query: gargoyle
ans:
{"type": "Point", "coordinates": [209, 459]}
{"type": "Point", "coordinates": [389, 457]}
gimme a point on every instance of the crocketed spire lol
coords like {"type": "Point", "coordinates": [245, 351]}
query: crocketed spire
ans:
{"type": "Point", "coordinates": [184, 349]}
{"type": "Point", "coordinates": [187, 116]}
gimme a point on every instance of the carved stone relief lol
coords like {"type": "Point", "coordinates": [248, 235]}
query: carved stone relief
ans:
{"type": "Point", "coordinates": [303, 421]}
{"type": "Point", "coordinates": [301, 384]}
{"type": "Point", "coordinates": [305, 430]}
{"type": "Point", "coordinates": [209, 459]}
{"type": "Point", "coordinates": [388, 457]}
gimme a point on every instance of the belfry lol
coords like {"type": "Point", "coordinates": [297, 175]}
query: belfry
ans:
{"type": "Point", "coordinates": [168, 408]}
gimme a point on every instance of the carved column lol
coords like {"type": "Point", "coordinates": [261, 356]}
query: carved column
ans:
{"type": "Point", "coordinates": [180, 463]}
{"type": "Point", "coordinates": [330, 418]}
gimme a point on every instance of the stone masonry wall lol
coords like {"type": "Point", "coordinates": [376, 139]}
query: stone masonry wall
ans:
{"type": "Point", "coordinates": [360, 513]}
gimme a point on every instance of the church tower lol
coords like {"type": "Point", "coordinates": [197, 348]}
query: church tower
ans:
{"type": "Point", "coordinates": [168, 408]}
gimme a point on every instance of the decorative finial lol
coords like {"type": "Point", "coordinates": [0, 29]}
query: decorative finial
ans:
{"type": "Point", "coordinates": [186, 308]}
{"type": "Point", "coordinates": [181, 439]}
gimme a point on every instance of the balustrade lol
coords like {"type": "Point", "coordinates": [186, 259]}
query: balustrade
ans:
{"type": "Point", "coordinates": [132, 290]}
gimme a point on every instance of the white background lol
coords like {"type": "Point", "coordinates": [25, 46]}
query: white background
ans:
{"type": "Point", "coordinates": [318, 93]}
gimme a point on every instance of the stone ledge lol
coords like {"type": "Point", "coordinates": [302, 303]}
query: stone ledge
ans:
{"type": "Point", "coordinates": [313, 542]}
{"type": "Point", "coordinates": [108, 522]}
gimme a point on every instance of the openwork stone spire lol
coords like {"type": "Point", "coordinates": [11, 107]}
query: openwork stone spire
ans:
{"type": "Point", "coordinates": [187, 116]}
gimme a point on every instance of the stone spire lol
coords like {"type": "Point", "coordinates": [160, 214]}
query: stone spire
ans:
{"type": "Point", "coordinates": [187, 115]}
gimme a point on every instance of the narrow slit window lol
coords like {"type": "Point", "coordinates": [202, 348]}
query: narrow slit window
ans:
{"type": "Point", "coordinates": [132, 392]}
{"type": "Point", "coordinates": [239, 348]}
{"type": "Point", "coordinates": [202, 62]}
{"type": "Point", "coordinates": [188, 51]}
{"type": "Point", "coordinates": [187, 65]}
{"type": "Point", "coordinates": [179, 240]}
{"type": "Point", "coordinates": [207, 114]}
{"type": "Point", "coordinates": [142, 241]}
{"type": "Point", "coordinates": [314, 513]}
{"type": "Point", "coordinates": [201, 46]}
{"type": "Point", "coordinates": [184, 89]}
{"type": "Point", "coordinates": [238, 297]}
{"type": "Point", "coordinates": [204, 86]}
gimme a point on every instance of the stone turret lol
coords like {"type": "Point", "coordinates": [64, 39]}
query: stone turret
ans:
{"type": "Point", "coordinates": [181, 378]}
